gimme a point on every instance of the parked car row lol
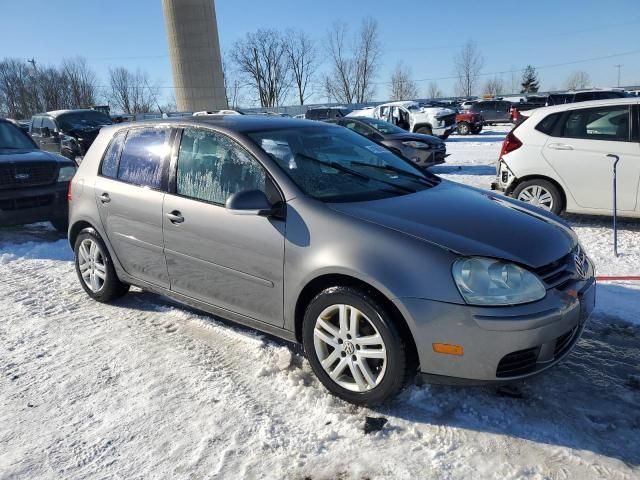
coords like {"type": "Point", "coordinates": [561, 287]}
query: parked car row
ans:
{"type": "Point", "coordinates": [317, 234]}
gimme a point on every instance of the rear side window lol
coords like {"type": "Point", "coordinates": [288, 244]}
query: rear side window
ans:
{"type": "Point", "coordinates": [548, 123]}
{"type": "Point", "coordinates": [143, 157]}
{"type": "Point", "coordinates": [603, 123]}
{"type": "Point", "coordinates": [36, 123]}
{"type": "Point", "coordinates": [112, 155]}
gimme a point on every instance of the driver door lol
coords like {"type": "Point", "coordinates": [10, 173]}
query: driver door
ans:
{"type": "Point", "coordinates": [235, 262]}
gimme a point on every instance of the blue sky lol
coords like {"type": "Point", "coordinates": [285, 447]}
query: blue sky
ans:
{"type": "Point", "coordinates": [423, 34]}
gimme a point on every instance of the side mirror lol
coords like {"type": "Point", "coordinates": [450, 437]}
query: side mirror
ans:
{"type": "Point", "coordinates": [250, 202]}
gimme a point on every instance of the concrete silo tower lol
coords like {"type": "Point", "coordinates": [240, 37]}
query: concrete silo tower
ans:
{"type": "Point", "coordinates": [194, 48]}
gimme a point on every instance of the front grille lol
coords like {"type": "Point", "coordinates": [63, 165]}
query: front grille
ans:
{"type": "Point", "coordinates": [27, 202]}
{"type": "Point", "coordinates": [563, 342]}
{"type": "Point", "coordinates": [448, 119]}
{"type": "Point", "coordinates": [27, 175]}
{"type": "Point", "coordinates": [518, 363]}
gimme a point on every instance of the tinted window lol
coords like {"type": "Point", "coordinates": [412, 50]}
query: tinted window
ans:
{"type": "Point", "coordinates": [212, 167]}
{"type": "Point", "coordinates": [111, 156]}
{"type": "Point", "coordinates": [357, 127]}
{"type": "Point", "coordinates": [80, 120]}
{"type": "Point", "coordinates": [143, 156]}
{"type": "Point", "coordinates": [603, 123]}
{"type": "Point", "coordinates": [13, 137]}
{"type": "Point", "coordinates": [548, 123]}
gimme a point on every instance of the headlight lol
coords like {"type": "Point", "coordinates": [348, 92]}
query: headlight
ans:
{"type": "Point", "coordinates": [415, 144]}
{"type": "Point", "coordinates": [485, 281]}
{"type": "Point", "coordinates": [66, 173]}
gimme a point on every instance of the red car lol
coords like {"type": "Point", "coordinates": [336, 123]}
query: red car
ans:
{"type": "Point", "coordinates": [469, 122]}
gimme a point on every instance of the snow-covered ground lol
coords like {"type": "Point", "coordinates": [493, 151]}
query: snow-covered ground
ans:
{"type": "Point", "coordinates": [145, 388]}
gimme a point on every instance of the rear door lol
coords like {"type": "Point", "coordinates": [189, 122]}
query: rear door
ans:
{"type": "Point", "coordinates": [34, 130]}
{"type": "Point", "coordinates": [487, 110]}
{"type": "Point", "coordinates": [49, 136]}
{"type": "Point", "coordinates": [129, 193]}
{"type": "Point", "coordinates": [235, 262]}
{"type": "Point", "coordinates": [578, 152]}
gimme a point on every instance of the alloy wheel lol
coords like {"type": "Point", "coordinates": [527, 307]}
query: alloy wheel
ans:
{"type": "Point", "coordinates": [350, 348]}
{"type": "Point", "coordinates": [92, 265]}
{"type": "Point", "coordinates": [538, 196]}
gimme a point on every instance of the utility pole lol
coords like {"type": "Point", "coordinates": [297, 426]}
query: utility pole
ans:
{"type": "Point", "coordinates": [618, 67]}
{"type": "Point", "coordinates": [32, 62]}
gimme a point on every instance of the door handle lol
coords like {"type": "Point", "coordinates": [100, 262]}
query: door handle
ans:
{"type": "Point", "coordinates": [175, 217]}
{"type": "Point", "coordinates": [105, 198]}
{"type": "Point", "coordinates": [560, 146]}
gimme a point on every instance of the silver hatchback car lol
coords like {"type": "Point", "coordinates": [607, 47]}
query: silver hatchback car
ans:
{"type": "Point", "coordinates": [313, 233]}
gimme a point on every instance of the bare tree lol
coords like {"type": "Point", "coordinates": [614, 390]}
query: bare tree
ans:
{"type": "Point", "coordinates": [340, 83]}
{"type": "Point", "coordinates": [81, 82]}
{"type": "Point", "coordinates": [52, 89]}
{"type": "Point", "coordinates": [493, 87]}
{"type": "Point", "coordinates": [577, 79]}
{"type": "Point", "coordinates": [402, 87]}
{"type": "Point", "coordinates": [353, 68]}
{"type": "Point", "coordinates": [433, 91]}
{"type": "Point", "coordinates": [19, 96]}
{"type": "Point", "coordinates": [368, 53]}
{"type": "Point", "coordinates": [262, 57]}
{"type": "Point", "coordinates": [303, 61]}
{"type": "Point", "coordinates": [130, 92]}
{"type": "Point", "coordinates": [468, 63]}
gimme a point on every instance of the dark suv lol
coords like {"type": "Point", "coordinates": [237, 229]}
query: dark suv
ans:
{"type": "Point", "coordinates": [326, 113]}
{"type": "Point", "coordinates": [68, 132]}
{"type": "Point", "coordinates": [583, 96]}
{"type": "Point", "coordinates": [33, 183]}
{"type": "Point", "coordinates": [493, 111]}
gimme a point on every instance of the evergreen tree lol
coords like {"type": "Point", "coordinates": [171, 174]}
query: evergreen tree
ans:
{"type": "Point", "coordinates": [530, 82]}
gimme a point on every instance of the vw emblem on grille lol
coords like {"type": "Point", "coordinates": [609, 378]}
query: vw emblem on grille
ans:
{"type": "Point", "coordinates": [580, 261]}
{"type": "Point", "coordinates": [21, 176]}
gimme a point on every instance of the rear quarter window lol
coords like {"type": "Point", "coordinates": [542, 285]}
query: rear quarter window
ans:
{"type": "Point", "coordinates": [143, 157]}
{"type": "Point", "coordinates": [109, 166]}
{"type": "Point", "coordinates": [548, 123]}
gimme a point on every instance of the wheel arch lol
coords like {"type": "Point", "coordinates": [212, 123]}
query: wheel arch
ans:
{"type": "Point", "coordinates": [316, 285]}
{"type": "Point", "coordinates": [76, 229]}
{"type": "Point", "coordinates": [422, 124]}
{"type": "Point", "coordinates": [518, 181]}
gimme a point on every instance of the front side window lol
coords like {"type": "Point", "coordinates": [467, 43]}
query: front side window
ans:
{"type": "Point", "coordinates": [212, 167]}
{"type": "Point", "coordinates": [48, 123]}
{"type": "Point", "coordinates": [112, 155]}
{"type": "Point", "coordinates": [337, 165]}
{"type": "Point", "coordinates": [143, 157]}
{"type": "Point", "coordinates": [603, 123]}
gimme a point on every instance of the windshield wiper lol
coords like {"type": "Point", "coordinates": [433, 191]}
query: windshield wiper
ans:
{"type": "Point", "coordinates": [391, 168]}
{"type": "Point", "coordinates": [342, 168]}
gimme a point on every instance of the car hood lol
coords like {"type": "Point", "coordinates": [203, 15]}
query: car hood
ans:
{"type": "Point", "coordinates": [8, 155]}
{"type": "Point", "coordinates": [403, 137]}
{"type": "Point", "coordinates": [470, 222]}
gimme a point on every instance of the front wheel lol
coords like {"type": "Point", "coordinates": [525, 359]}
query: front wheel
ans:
{"type": "Point", "coordinates": [94, 268]}
{"type": "Point", "coordinates": [353, 346]}
{"type": "Point", "coordinates": [463, 128]}
{"type": "Point", "coordinates": [540, 193]}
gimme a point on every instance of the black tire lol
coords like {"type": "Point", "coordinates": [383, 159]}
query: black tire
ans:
{"type": "Point", "coordinates": [477, 130]}
{"type": "Point", "coordinates": [557, 205]}
{"type": "Point", "coordinates": [61, 224]}
{"type": "Point", "coordinates": [464, 128]}
{"type": "Point", "coordinates": [425, 130]}
{"type": "Point", "coordinates": [112, 287]}
{"type": "Point", "coordinates": [397, 371]}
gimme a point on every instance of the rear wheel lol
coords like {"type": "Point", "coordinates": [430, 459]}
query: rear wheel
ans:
{"type": "Point", "coordinates": [540, 193]}
{"type": "Point", "coordinates": [94, 268]}
{"type": "Point", "coordinates": [426, 130]}
{"type": "Point", "coordinates": [463, 128]}
{"type": "Point", "coordinates": [353, 346]}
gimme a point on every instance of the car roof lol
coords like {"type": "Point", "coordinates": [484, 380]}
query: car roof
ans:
{"type": "Point", "coordinates": [57, 113]}
{"type": "Point", "coordinates": [404, 103]}
{"type": "Point", "coordinates": [237, 123]}
{"type": "Point", "coordinates": [590, 103]}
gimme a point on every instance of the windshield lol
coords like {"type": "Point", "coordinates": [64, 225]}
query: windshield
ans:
{"type": "Point", "coordinates": [381, 125]}
{"type": "Point", "coordinates": [83, 120]}
{"type": "Point", "coordinates": [14, 138]}
{"type": "Point", "coordinates": [334, 164]}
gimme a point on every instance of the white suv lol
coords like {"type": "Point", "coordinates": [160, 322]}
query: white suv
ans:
{"type": "Point", "coordinates": [557, 158]}
{"type": "Point", "coordinates": [415, 117]}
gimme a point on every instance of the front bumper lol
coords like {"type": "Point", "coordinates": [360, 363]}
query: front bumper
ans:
{"type": "Point", "coordinates": [21, 206]}
{"type": "Point", "coordinates": [500, 344]}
